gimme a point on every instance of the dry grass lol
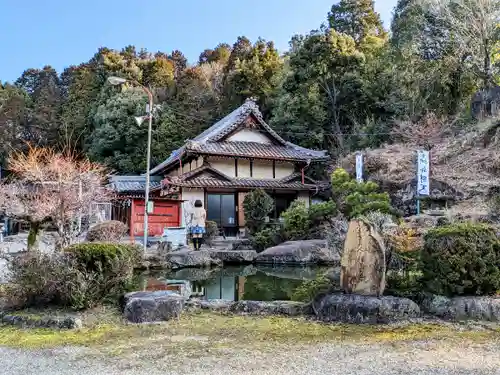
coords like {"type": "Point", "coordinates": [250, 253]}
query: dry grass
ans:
{"type": "Point", "coordinates": [468, 162]}
{"type": "Point", "coordinates": [196, 333]}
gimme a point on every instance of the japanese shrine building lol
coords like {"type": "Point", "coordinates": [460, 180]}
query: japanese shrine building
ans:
{"type": "Point", "coordinates": [221, 165]}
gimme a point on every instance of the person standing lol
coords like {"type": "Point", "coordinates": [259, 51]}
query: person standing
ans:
{"type": "Point", "coordinates": [198, 218]}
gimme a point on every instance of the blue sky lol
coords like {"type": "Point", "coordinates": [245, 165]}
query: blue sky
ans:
{"type": "Point", "coordinates": [35, 33]}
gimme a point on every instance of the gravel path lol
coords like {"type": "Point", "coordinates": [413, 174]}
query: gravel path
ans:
{"type": "Point", "coordinates": [400, 359]}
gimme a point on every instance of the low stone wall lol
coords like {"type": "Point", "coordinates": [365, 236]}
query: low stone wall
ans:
{"type": "Point", "coordinates": [463, 308]}
{"type": "Point", "coordinates": [262, 308]}
{"type": "Point", "coordinates": [26, 321]}
{"type": "Point", "coordinates": [293, 253]}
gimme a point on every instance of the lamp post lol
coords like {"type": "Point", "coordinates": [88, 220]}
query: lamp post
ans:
{"type": "Point", "coordinates": [119, 81]}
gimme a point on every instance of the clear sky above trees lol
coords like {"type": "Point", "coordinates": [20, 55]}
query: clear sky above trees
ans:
{"type": "Point", "coordinates": [61, 33]}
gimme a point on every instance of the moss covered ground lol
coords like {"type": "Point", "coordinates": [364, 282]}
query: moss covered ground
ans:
{"type": "Point", "coordinates": [104, 330]}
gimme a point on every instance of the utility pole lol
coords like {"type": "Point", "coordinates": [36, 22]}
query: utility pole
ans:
{"type": "Point", "coordinates": [119, 81]}
{"type": "Point", "coordinates": [148, 167]}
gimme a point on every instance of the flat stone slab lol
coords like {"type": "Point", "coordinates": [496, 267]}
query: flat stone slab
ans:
{"type": "Point", "coordinates": [288, 308]}
{"type": "Point", "coordinates": [191, 258]}
{"type": "Point", "coordinates": [463, 308]}
{"type": "Point", "coordinates": [219, 305]}
{"type": "Point", "coordinates": [264, 308]}
{"type": "Point", "coordinates": [299, 252]}
{"type": "Point", "coordinates": [234, 256]}
{"type": "Point", "coordinates": [352, 308]}
{"type": "Point", "coordinates": [146, 307]}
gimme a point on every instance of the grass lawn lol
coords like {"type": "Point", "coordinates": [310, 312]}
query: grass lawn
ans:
{"type": "Point", "coordinates": [104, 330]}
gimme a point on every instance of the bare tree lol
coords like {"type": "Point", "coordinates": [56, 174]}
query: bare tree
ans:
{"type": "Point", "coordinates": [55, 187]}
{"type": "Point", "coordinates": [426, 132]}
{"type": "Point", "coordinates": [472, 25]}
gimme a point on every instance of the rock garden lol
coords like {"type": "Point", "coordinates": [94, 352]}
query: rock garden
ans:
{"type": "Point", "coordinates": [386, 272]}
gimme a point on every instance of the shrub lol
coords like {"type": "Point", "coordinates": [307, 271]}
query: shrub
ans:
{"type": "Point", "coordinates": [212, 231]}
{"type": "Point", "coordinates": [405, 285]}
{"type": "Point", "coordinates": [309, 289]}
{"type": "Point", "coordinates": [257, 205]}
{"type": "Point", "coordinates": [92, 256]}
{"type": "Point", "coordinates": [296, 221]}
{"type": "Point", "coordinates": [301, 222]}
{"type": "Point", "coordinates": [107, 231]}
{"type": "Point", "coordinates": [461, 259]}
{"type": "Point", "coordinates": [266, 238]}
{"type": "Point", "coordinates": [357, 198]}
{"type": "Point", "coordinates": [321, 212]}
{"type": "Point", "coordinates": [81, 277]}
{"type": "Point", "coordinates": [404, 239]}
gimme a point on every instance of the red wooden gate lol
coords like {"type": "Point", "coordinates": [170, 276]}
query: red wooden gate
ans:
{"type": "Point", "coordinates": [165, 214]}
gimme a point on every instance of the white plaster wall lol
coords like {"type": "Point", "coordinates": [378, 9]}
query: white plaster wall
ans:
{"type": "Point", "coordinates": [304, 197]}
{"type": "Point", "coordinates": [192, 165]}
{"type": "Point", "coordinates": [189, 196]}
{"type": "Point", "coordinates": [199, 161]}
{"type": "Point", "coordinates": [243, 168]}
{"type": "Point", "coordinates": [262, 169]}
{"type": "Point", "coordinates": [284, 169]}
{"type": "Point", "coordinates": [249, 135]}
{"type": "Point", "coordinates": [225, 166]}
{"type": "Point", "coordinates": [173, 172]}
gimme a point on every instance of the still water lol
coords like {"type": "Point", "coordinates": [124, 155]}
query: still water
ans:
{"type": "Point", "coordinates": [258, 283]}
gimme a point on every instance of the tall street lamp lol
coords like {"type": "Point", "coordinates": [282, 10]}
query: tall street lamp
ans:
{"type": "Point", "coordinates": [119, 81]}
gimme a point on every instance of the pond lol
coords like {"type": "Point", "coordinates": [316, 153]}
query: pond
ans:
{"type": "Point", "coordinates": [260, 283]}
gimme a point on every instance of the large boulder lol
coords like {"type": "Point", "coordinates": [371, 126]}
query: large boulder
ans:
{"type": "Point", "coordinates": [242, 244]}
{"type": "Point", "coordinates": [352, 308]}
{"type": "Point", "coordinates": [363, 264]}
{"type": "Point", "coordinates": [234, 256]}
{"type": "Point", "coordinates": [145, 307]}
{"type": "Point", "coordinates": [463, 308]}
{"type": "Point", "coordinates": [186, 258]}
{"type": "Point", "coordinates": [299, 252]}
{"type": "Point", "coordinates": [107, 231]}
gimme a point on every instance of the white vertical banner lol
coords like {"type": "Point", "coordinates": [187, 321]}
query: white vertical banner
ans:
{"type": "Point", "coordinates": [359, 167]}
{"type": "Point", "coordinates": [423, 180]}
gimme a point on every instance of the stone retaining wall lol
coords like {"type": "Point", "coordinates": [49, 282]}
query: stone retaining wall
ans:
{"type": "Point", "coordinates": [26, 321]}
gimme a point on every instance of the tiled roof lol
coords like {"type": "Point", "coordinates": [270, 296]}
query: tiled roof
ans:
{"type": "Point", "coordinates": [254, 150]}
{"type": "Point", "coordinates": [297, 176]}
{"type": "Point", "coordinates": [211, 138]}
{"type": "Point", "coordinates": [229, 123]}
{"type": "Point", "coordinates": [242, 183]}
{"type": "Point", "coordinates": [204, 168]}
{"type": "Point", "coordinates": [128, 184]}
{"type": "Point", "coordinates": [200, 178]}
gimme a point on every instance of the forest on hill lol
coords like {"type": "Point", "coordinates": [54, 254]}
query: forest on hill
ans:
{"type": "Point", "coordinates": [348, 85]}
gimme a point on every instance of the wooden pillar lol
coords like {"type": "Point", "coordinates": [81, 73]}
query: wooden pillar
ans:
{"type": "Point", "coordinates": [131, 221]}
{"type": "Point", "coordinates": [241, 209]}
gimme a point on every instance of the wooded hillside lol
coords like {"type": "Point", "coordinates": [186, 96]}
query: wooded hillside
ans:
{"type": "Point", "coordinates": [346, 86]}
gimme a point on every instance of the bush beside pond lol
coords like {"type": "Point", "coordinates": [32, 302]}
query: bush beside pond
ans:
{"type": "Point", "coordinates": [81, 277]}
{"type": "Point", "coordinates": [299, 222]}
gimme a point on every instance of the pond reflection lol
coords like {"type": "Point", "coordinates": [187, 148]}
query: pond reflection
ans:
{"type": "Point", "coordinates": [260, 283]}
